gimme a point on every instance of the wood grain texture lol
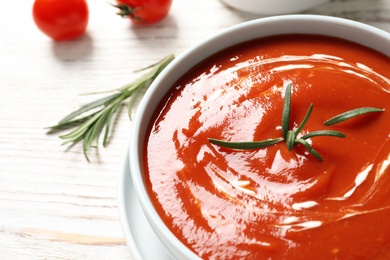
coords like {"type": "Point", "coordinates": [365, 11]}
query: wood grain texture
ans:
{"type": "Point", "coordinates": [54, 204]}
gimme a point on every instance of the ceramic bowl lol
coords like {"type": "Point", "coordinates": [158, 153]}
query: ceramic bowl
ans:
{"type": "Point", "coordinates": [273, 7]}
{"type": "Point", "coordinates": [286, 24]}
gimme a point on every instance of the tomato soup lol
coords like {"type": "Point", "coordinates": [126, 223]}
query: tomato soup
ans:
{"type": "Point", "coordinates": [274, 202]}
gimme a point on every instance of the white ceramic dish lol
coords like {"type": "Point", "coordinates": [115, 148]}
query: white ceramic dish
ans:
{"type": "Point", "coordinates": [138, 233]}
{"type": "Point", "coordinates": [273, 7]}
{"type": "Point", "coordinates": [309, 24]}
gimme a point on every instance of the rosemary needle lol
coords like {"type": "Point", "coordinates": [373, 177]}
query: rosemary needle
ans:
{"type": "Point", "coordinates": [350, 114]}
{"type": "Point", "coordinates": [286, 111]}
{"type": "Point", "coordinates": [245, 145]}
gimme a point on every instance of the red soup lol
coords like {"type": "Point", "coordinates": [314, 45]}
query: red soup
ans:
{"type": "Point", "coordinates": [276, 202]}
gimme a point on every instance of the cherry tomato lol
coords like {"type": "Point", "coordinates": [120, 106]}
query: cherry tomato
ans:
{"type": "Point", "coordinates": [61, 19]}
{"type": "Point", "coordinates": [144, 11]}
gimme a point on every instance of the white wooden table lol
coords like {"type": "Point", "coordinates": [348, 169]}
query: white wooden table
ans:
{"type": "Point", "coordinates": [53, 203]}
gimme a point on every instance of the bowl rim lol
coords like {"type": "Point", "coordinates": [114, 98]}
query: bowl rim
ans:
{"type": "Point", "coordinates": [369, 36]}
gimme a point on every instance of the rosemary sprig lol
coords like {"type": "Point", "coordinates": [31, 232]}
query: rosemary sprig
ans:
{"type": "Point", "coordinates": [90, 119]}
{"type": "Point", "coordinates": [290, 136]}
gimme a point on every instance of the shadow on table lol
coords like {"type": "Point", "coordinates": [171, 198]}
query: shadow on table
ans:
{"type": "Point", "coordinates": [363, 10]}
{"type": "Point", "coordinates": [74, 50]}
{"type": "Point", "coordinates": [165, 32]}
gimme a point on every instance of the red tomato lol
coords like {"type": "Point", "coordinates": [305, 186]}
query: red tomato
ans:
{"type": "Point", "coordinates": [61, 19]}
{"type": "Point", "coordinates": [144, 11]}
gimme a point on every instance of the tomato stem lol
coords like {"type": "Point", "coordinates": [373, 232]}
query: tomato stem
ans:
{"type": "Point", "coordinates": [128, 11]}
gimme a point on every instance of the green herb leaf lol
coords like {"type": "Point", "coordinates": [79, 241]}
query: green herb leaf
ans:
{"type": "Point", "coordinates": [323, 133]}
{"type": "Point", "coordinates": [305, 119]}
{"type": "Point", "coordinates": [350, 114]}
{"type": "Point", "coordinates": [286, 111]}
{"type": "Point", "coordinates": [290, 139]}
{"type": "Point", "coordinates": [245, 145]}
{"type": "Point", "coordinates": [309, 148]}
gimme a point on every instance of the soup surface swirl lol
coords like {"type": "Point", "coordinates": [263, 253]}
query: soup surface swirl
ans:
{"type": "Point", "coordinates": [272, 202]}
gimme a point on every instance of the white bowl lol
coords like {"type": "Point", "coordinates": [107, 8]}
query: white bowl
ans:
{"type": "Point", "coordinates": [306, 24]}
{"type": "Point", "coordinates": [273, 7]}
